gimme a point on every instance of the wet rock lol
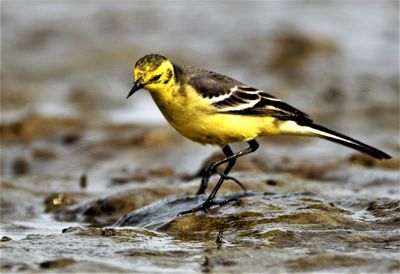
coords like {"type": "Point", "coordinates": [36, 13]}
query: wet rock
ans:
{"type": "Point", "coordinates": [161, 213]}
{"type": "Point", "coordinates": [107, 210]}
{"type": "Point", "coordinates": [283, 220]}
{"type": "Point", "coordinates": [59, 263]}
{"type": "Point", "coordinates": [5, 239]}
{"type": "Point", "coordinates": [244, 210]}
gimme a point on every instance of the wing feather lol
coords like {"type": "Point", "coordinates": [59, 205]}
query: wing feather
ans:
{"type": "Point", "coordinates": [231, 96]}
{"type": "Point", "coordinates": [211, 85]}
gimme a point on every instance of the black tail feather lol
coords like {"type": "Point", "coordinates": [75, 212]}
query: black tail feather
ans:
{"type": "Point", "coordinates": [350, 142]}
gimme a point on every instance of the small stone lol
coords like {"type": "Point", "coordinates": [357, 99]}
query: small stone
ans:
{"type": "Point", "coordinates": [57, 201]}
{"type": "Point", "coordinates": [70, 138]}
{"type": "Point", "coordinates": [20, 166]}
{"type": "Point", "coordinates": [5, 239]}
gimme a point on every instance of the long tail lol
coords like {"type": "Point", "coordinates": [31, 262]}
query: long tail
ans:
{"type": "Point", "coordinates": [339, 138]}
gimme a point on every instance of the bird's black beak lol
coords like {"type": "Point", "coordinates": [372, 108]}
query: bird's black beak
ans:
{"type": "Point", "coordinates": [135, 88]}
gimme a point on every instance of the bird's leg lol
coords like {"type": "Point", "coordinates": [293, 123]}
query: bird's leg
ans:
{"type": "Point", "coordinates": [253, 145]}
{"type": "Point", "coordinates": [211, 169]}
{"type": "Point", "coordinates": [232, 179]}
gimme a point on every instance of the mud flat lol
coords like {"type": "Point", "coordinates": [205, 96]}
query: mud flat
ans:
{"type": "Point", "coordinates": [331, 215]}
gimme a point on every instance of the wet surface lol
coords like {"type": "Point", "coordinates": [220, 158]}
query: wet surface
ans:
{"type": "Point", "coordinates": [91, 182]}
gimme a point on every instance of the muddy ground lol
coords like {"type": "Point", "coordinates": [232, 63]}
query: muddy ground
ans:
{"type": "Point", "coordinates": [91, 182]}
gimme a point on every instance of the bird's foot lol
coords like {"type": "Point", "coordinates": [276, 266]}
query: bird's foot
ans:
{"type": "Point", "coordinates": [206, 206]}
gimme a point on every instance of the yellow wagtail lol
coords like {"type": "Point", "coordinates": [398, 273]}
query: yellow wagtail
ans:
{"type": "Point", "coordinates": [211, 108]}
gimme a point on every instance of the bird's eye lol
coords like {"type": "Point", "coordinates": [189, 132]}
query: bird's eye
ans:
{"type": "Point", "coordinates": [155, 78]}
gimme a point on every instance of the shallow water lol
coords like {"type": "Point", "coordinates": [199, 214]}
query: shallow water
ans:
{"type": "Point", "coordinates": [91, 182]}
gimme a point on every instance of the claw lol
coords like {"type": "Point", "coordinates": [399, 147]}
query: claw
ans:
{"type": "Point", "coordinates": [206, 205]}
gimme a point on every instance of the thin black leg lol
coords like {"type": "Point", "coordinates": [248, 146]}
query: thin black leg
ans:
{"type": "Point", "coordinates": [253, 145]}
{"type": "Point", "coordinates": [211, 169]}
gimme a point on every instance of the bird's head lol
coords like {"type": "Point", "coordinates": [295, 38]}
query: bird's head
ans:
{"type": "Point", "coordinates": [152, 72]}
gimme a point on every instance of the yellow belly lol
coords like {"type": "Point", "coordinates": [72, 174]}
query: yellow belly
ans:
{"type": "Point", "coordinates": [221, 129]}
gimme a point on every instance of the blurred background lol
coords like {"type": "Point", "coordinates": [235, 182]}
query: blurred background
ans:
{"type": "Point", "coordinates": [336, 60]}
{"type": "Point", "coordinates": [75, 58]}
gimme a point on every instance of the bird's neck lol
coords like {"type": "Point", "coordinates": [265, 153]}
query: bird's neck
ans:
{"type": "Point", "coordinates": [164, 94]}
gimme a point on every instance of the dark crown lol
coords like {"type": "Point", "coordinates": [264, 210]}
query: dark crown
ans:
{"type": "Point", "coordinates": [152, 60]}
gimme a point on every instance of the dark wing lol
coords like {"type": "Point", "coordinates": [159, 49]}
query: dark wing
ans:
{"type": "Point", "coordinates": [231, 96]}
{"type": "Point", "coordinates": [266, 105]}
{"type": "Point", "coordinates": [212, 85]}
{"type": "Point", "coordinates": [249, 101]}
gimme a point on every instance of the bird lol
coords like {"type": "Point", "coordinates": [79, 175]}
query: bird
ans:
{"type": "Point", "coordinates": [211, 108]}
